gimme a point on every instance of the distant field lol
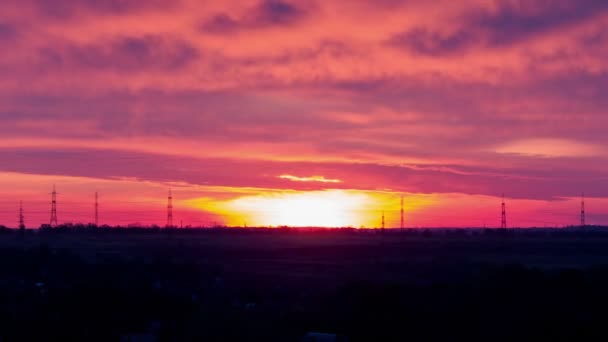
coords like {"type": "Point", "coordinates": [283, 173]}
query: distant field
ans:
{"type": "Point", "coordinates": [276, 285]}
{"type": "Point", "coordinates": [343, 254]}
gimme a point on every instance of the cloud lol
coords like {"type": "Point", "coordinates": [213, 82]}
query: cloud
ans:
{"type": "Point", "coordinates": [7, 32]}
{"type": "Point", "coordinates": [125, 54]}
{"type": "Point", "coordinates": [513, 21]}
{"type": "Point", "coordinates": [319, 179]}
{"type": "Point", "coordinates": [504, 24]}
{"type": "Point", "coordinates": [551, 148]}
{"type": "Point", "coordinates": [411, 96]}
{"type": "Point", "coordinates": [422, 41]}
{"type": "Point", "coordinates": [267, 13]}
{"type": "Point", "coordinates": [525, 177]}
{"type": "Point", "coordinates": [64, 9]}
{"type": "Point", "coordinates": [221, 23]}
{"type": "Point", "coordinates": [275, 13]}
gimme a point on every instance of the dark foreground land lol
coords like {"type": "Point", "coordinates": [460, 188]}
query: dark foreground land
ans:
{"type": "Point", "coordinates": [245, 285]}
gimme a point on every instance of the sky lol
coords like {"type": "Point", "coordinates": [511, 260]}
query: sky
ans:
{"type": "Point", "coordinates": [305, 112]}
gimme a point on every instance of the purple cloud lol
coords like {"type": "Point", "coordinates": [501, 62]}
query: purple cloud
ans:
{"type": "Point", "coordinates": [267, 13]}
{"type": "Point", "coordinates": [424, 42]}
{"type": "Point", "coordinates": [275, 12]}
{"type": "Point", "coordinates": [515, 21]}
{"type": "Point", "coordinates": [64, 9]}
{"type": "Point", "coordinates": [7, 32]}
{"type": "Point", "coordinates": [511, 22]}
{"type": "Point", "coordinates": [532, 181]}
{"type": "Point", "coordinates": [132, 54]}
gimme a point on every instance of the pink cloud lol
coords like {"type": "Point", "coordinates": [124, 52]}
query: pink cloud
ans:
{"type": "Point", "coordinates": [468, 97]}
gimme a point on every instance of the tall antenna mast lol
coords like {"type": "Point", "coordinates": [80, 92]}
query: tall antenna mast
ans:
{"type": "Point", "coordinates": [583, 223]}
{"type": "Point", "coordinates": [21, 219]}
{"type": "Point", "coordinates": [503, 221]}
{"type": "Point", "coordinates": [383, 220]}
{"type": "Point", "coordinates": [170, 210]}
{"type": "Point", "coordinates": [402, 214]}
{"type": "Point", "coordinates": [96, 209]}
{"type": "Point", "coordinates": [54, 208]}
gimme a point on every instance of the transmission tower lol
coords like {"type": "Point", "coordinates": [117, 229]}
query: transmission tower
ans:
{"type": "Point", "coordinates": [170, 210]}
{"type": "Point", "coordinates": [382, 220]}
{"type": "Point", "coordinates": [583, 223]}
{"type": "Point", "coordinates": [54, 208]}
{"type": "Point", "coordinates": [503, 221]}
{"type": "Point", "coordinates": [402, 214]}
{"type": "Point", "coordinates": [21, 219]}
{"type": "Point", "coordinates": [96, 209]}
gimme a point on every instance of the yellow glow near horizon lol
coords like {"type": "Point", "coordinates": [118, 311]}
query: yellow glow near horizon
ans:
{"type": "Point", "coordinates": [322, 208]}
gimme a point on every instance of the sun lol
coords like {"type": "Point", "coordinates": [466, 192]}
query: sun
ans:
{"type": "Point", "coordinates": [318, 208]}
{"type": "Point", "coordinates": [329, 208]}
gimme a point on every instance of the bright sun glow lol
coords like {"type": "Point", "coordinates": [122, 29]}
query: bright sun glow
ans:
{"type": "Point", "coordinates": [323, 208]}
{"type": "Point", "coordinates": [310, 209]}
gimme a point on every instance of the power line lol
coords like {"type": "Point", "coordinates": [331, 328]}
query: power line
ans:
{"type": "Point", "coordinates": [21, 218]}
{"type": "Point", "coordinates": [79, 209]}
{"type": "Point", "coordinates": [96, 209]}
{"type": "Point", "coordinates": [503, 221]}
{"type": "Point", "coordinates": [402, 214]}
{"type": "Point", "coordinates": [170, 210]}
{"type": "Point", "coordinates": [54, 222]}
{"type": "Point", "coordinates": [583, 223]}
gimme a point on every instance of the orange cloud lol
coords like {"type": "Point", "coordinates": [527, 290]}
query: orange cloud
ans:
{"type": "Point", "coordinates": [551, 148]}
{"type": "Point", "coordinates": [319, 179]}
